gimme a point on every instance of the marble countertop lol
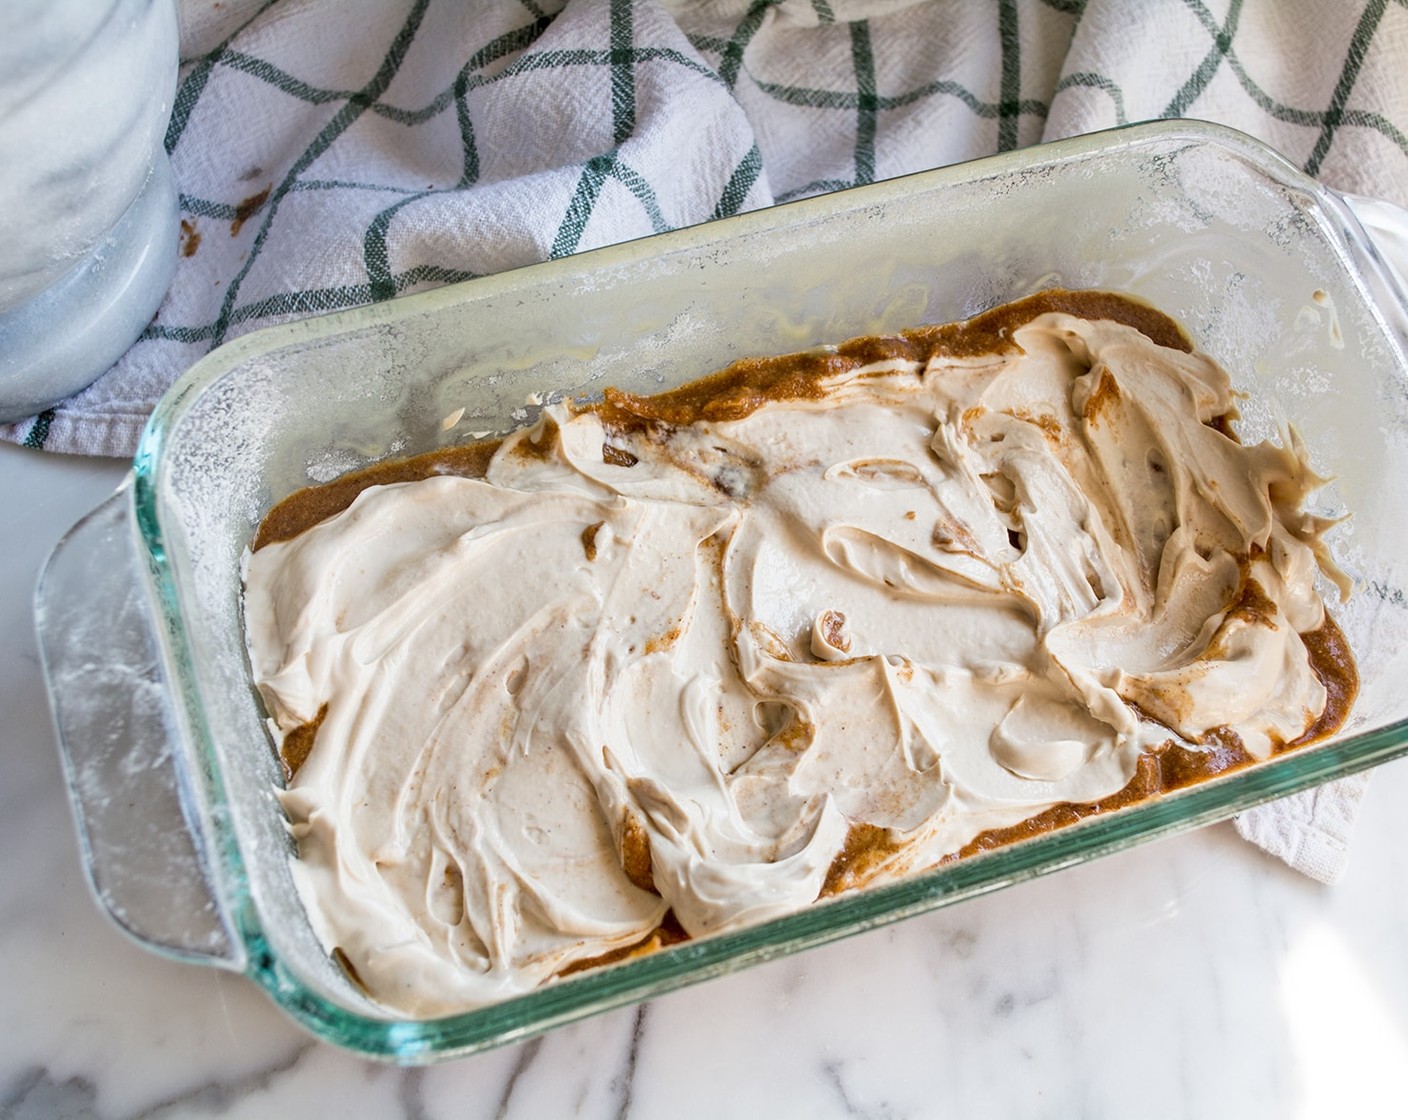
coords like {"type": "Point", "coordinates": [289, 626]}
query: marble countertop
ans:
{"type": "Point", "coordinates": [1194, 977]}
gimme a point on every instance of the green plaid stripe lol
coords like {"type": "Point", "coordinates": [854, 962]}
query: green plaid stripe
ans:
{"type": "Point", "coordinates": [886, 91]}
{"type": "Point", "coordinates": [1085, 79]}
{"type": "Point", "coordinates": [867, 101]}
{"type": "Point", "coordinates": [622, 57]}
{"type": "Point", "coordinates": [739, 184]}
{"type": "Point", "coordinates": [1221, 48]}
{"type": "Point", "coordinates": [1334, 115]}
{"type": "Point", "coordinates": [623, 75]}
{"type": "Point", "coordinates": [733, 47]}
{"type": "Point", "coordinates": [39, 430]}
{"type": "Point", "coordinates": [1009, 107]}
{"type": "Point", "coordinates": [353, 108]}
{"type": "Point", "coordinates": [189, 91]}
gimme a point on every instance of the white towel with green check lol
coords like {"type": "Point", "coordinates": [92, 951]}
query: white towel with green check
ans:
{"type": "Point", "coordinates": [329, 154]}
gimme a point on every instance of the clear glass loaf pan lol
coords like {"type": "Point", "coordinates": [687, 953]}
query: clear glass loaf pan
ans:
{"type": "Point", "coordinates": [169, 766]}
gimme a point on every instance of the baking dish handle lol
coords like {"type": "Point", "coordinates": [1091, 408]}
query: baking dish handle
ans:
{"type": "Point", "coordinates": [1386, 225]}
{"type": "Point", "coordinates": [145, 854]}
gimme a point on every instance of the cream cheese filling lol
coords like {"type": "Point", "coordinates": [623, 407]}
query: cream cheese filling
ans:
{"type": "Point", "coordinates": [933, 601]}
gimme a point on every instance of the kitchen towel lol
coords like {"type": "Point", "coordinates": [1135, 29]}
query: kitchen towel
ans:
{"type": "Point", "coordinates": [332, 154]}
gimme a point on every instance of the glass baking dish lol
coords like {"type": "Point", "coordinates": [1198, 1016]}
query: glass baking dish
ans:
{"type": "Point", "coordinates": [168, 762]}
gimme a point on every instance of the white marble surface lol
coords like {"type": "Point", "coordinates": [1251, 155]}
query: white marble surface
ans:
{"type": "Point", "coordinates": [1194, 977]}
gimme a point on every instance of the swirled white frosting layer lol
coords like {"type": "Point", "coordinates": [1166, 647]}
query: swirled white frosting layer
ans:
{"type": "Point", "coordinates": [933, 601]}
